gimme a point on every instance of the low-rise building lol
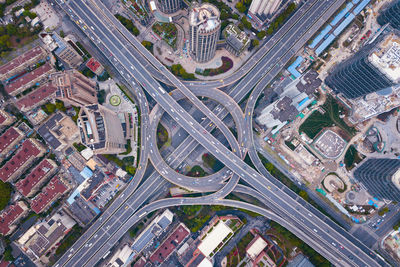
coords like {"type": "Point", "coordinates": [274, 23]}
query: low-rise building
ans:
{"type": "Point", "coordinates": [293, 100]}
{"type": "Point", "coordinates": [20, 63]}
{"type": "Point", "coordinates": [29, 79]}
{"type": "Point", "coordinates": [95, 66]}
{"type": "Point", "coordinates": [31, 183]}
{"type": "Point", "coordinates": [168, 246]}
{"type": "Point", "coordinates": [74, 88]}
{"type": "Point", "coordinates": [58, 131]}
{"type": "Point", "coordinates": [5, 118]}
{"type": "Point", "coordinates": [101, 130]}
{"type": "Point", "coordinates": [61, 49]}
{"type": "Point", "coordinates": [255, 247]}
{"type": "Point", "coordinates": [9, 139]}
{"type": "Point", "coordinates": [53, 190]}
{"type": "Point", "coordinates": [120, 257]}
{"type": "Point", "coordinates": [37, 97]}
{"type": "Point", "coordinates": [43, 237]}
{"type": "Point", "coordinates": [155, 228]}
{"type": "Point", "coordinates": [10, 216]}
{"type": "Point", "coordinates": [236, 40]}
{"type": "Point", "coordinates": [26, 154]}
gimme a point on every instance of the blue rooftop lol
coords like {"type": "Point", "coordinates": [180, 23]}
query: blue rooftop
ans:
{"type": "Point", "coordinates": [292, 68]}
{"type": "Point", "coordinates": [341, 14]}
{"type": "Point", "coordinates": [86, 173]}
{"type": "Point", "coordinates": [361, 6]}
{"type": "Point", "coordinates": [325, 44]}
{"type": "Point", "coordinates": [344, 24]}
{"type": "Point", "coordinates": [320, 36]}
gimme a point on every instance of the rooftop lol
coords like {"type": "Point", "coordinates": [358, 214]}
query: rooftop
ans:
{"type": "Point", "coordinates": [27, 151]}
{"type": "Point", "coordinates": [93, 64]}
{"type": "Point", "coordinates": [20, 60]}
{"type": "Point", "coordinates": [170, 244]}
{"type": "Point", "coordinates": [52, 191]}
{"type": "Point", "coordinates": [205, 16]}
{"type": "Point", "coordinates": [257, 245]}
{"type": "Point", "coordinates": [32, 99]}
{"type": "Point", "coordinates": [214, 238]}
{"type": "Point", "coordinates": [8, 216]}
{"type": "Point", "coordinates": [27, 78]}
{"type": "Point", "coordinates": [8, 137]}
{"type": "Point", "coordinates": [386, 57]}
{"type": "Point", "coordinates": [35, 177]}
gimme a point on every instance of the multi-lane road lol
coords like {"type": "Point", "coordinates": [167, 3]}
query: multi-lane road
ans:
{"type": "Point", "coordinates": [123, 58]}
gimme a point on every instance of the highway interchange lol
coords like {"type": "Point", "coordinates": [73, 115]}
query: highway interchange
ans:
{"type": "Point", "coordinates": [110, 37]}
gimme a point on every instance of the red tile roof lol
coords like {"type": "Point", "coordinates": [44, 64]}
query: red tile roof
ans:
{"type": "Point", "coordinates": [8, 217]}
{"type": "Point", "coordinates": [27, 151]}
{"type": "Point", "coordinates": [28, 55]}
{"type": "Point", "coordinates": [36, 96]}
{"type": "Point", "coordinates": [169, 244]}
{"type": "Point", "coordinates": [34, 177]}
{"type": "Point", "coordinates": [52, 191]}
{"type": "Point", "coordinates": [93, 64]}
{"type": "Point", "coordinates": [27, 78]}
{"type": "Point", "coordinates": [2, 118]}
{"type": "Point", "coordinates": [8, 137]}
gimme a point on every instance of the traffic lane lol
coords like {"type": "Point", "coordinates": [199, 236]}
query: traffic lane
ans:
{"type": "Point", "coordinates": [145, 77]}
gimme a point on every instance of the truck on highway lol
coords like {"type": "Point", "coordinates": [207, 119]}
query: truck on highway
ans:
{"type": "Point", "coordinates": [161, 90]}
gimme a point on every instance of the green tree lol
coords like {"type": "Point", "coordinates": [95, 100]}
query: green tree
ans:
{"type": "Point", "coordinates": [130, 169]}
{"type": "Point", "coordinates": [246, 23]}
{"type": "Point", "coordinates": [62, 34]}
{"type": "Point", "coordinates": [304, 195]}
{"type": "Point", "coordinates": [261, 34]}
{"type": "Point", "coordinates": [240, 7]}
{"type": "Point", "coordinates": [255, 42]}
{"type": "Point", "coordinates": [241, 26]}
{"type": "Point", "coordinates": [49, 108]}
{"type": "Point", "coordinates": [60, 106]}
{"type": "Point", "coordinates": [148, 45]}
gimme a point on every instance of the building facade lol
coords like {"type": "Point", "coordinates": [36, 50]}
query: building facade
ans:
{"type": "Point", "coordinates": [74, 88]}
{"type": "Point", "coordinates": [236, 40]}
{"type": "Point", "coordinates": [380, 177]}
{"type": "Point", "coordinates": [101, 130]}
{"type": "Point", "coordinates": [391, 15]}
{"type": "Point", "coordinates": [204, 31]}
{"type": "Point", "coordinates": [170, 6]}
{"type": "Point", "coordinates": [374, 68]}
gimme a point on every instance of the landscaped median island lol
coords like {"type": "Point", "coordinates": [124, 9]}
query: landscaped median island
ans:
{"type": "Point", "coordinates": [227, 64]}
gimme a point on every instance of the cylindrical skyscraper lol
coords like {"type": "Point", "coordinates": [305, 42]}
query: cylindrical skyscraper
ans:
{"type": "Point", "coordinates": [391, 15]}
{"type": "Point", "coordinates": [204, 30]}
{"type": "Point", "coordinates": [170, 6]}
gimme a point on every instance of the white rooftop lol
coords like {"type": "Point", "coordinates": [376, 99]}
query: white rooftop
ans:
{"type": "Point", "coordinates": [216, 236]}
{"type": "Point", "coordinates": [255, 249]}
{"type": "Point", "coordinates": [387, 57]}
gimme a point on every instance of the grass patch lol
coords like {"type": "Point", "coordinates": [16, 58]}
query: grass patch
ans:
{"type": "Point", "coordinates": [197, 171]}
{"type": "Point", "coordinates": [79, 146]}
{"type": "Point", "coordinates": [5, 194]}
{"type": "Point", "coordinates": [194, 217]}
{"type": "Point", "coordinates": [352, 157]}
{"type": "Point", "coordinates": [162, 135]}
{"type": "Point", "coordinates": [317, 121]}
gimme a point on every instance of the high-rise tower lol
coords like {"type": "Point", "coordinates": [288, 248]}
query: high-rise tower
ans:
{"type": "Point", "coordinates": [391, 15]}
{"type": "Point", "coordinates": [170, 6]}
{"type": "Point", "coordinates": [380, 177]}
{"type": "Point", "coordinates": [374, 68]}
{"type": "Point", "coordinates": [204, 31]}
